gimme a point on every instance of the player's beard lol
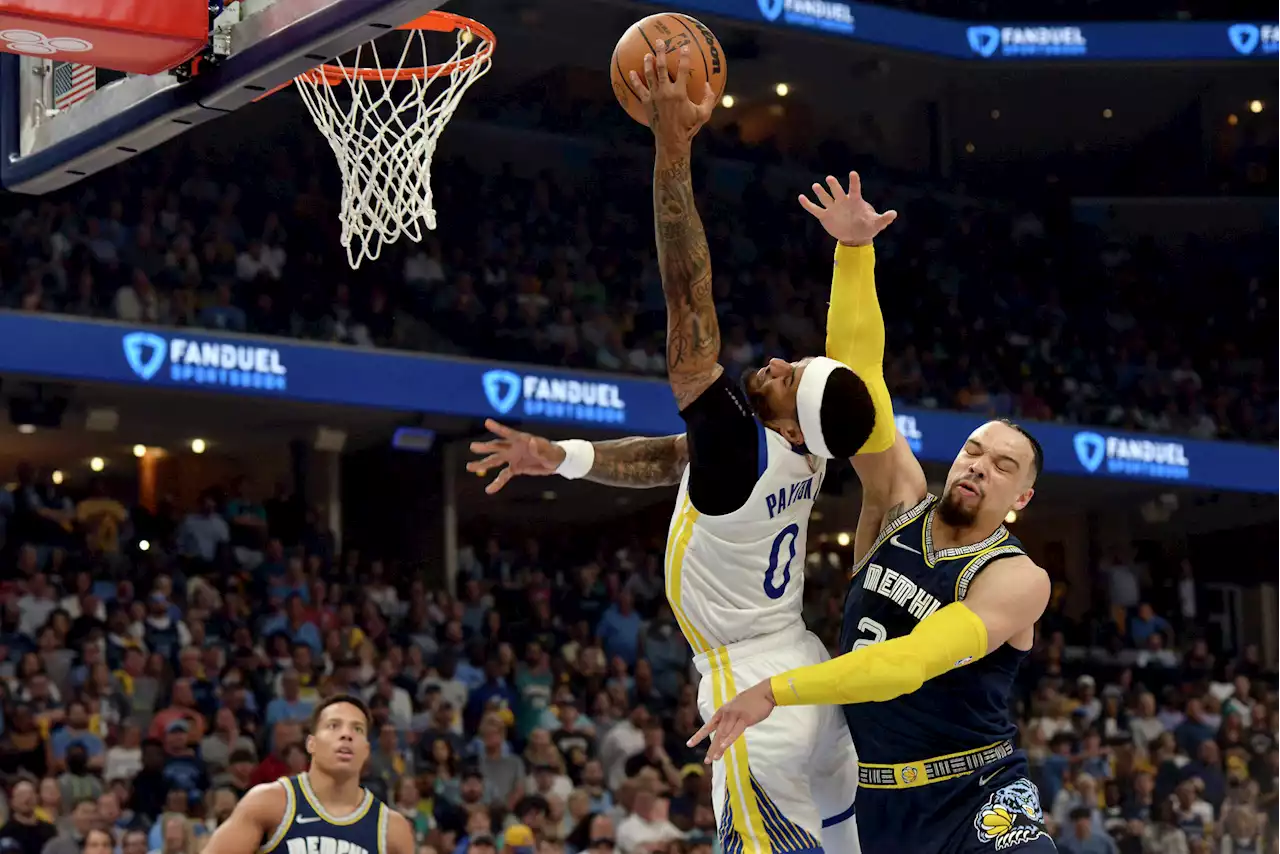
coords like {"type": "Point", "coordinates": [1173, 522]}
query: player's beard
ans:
{"type": "Point", "coordinates": [956, 514]}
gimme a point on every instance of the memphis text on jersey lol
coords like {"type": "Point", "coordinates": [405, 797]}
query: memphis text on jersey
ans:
{"type": "Point", "coordinates": [904, 592]}
{"type": "Point", "coordinates": [801, 490]}
{"type": "Point", "coordinates": [322, 845]}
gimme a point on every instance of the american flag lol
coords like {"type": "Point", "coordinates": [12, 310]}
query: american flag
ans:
{"type": "Point", "coordinates": [72, 83]}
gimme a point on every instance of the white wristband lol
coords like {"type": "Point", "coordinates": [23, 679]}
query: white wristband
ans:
{"type": "Point", "coordinates": [579, 457]}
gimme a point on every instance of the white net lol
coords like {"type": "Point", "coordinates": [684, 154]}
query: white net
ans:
{"type": "Point", "coordinates": [383, 126]}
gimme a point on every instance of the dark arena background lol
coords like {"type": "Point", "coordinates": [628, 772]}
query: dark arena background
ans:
{"type": "Point", "coordinates": [234, 466]}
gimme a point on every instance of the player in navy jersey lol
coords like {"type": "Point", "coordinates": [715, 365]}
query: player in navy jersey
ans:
{"type": "Point", "coordinates": [324, 810]}
{"type": "Point", "coordinates": [940, 614]}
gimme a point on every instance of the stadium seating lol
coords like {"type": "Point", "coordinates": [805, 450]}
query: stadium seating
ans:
{"type": "Point", "coordinates": [993, 307]}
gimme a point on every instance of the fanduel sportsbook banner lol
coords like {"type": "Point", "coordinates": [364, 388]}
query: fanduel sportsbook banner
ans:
{"type": "Point", "coordinates": [1163, 40]}
{"type": "Point", "coordinates": [289, 370]}
{"type": "Point", "coordinates": [53, 347]}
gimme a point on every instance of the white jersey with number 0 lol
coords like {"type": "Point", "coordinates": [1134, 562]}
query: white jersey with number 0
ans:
{"type": "Point", "coordinates": [741, 575]}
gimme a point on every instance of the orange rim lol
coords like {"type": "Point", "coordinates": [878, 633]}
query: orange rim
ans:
{"type": "Point", "coordinates": [436, 22]}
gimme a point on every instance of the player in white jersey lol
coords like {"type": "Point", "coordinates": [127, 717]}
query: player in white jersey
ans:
{"type": "Point", "coordinates": [749, 467]}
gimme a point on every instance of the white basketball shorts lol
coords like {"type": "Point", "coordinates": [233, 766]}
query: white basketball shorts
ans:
{"type": "Point", "coordinates": [788, 786]}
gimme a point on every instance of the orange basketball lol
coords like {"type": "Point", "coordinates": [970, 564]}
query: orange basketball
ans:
{"type": "Point", "coordinates": [706, 66]}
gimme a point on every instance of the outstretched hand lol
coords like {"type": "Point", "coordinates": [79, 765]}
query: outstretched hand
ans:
{"type": "Point", "coordinates": [845, 214]}
{"type": "Point", "coordinates": [731, 720]}
{"type": "Point", "coordinates": [673, 117]}
{"type": "Point", "coordinates": [516, 453]}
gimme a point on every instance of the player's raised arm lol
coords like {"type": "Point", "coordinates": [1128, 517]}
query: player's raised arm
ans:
{"type": "Point", "coordinates": [892, 479]}
{"type": "Point", "coordinates": [1008, 598]}
{"type": "Point", "coordinates": [255, 819]}
{"type": "Point", "coordinates": [684, 261]}
{"type": "Point", "coordinates": [637, 462]}
{"type": "Point", "coordinates": [724, 439]}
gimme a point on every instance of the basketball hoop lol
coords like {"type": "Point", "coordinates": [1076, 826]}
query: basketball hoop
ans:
{"type": "Point", "coordinates": [385, 137]}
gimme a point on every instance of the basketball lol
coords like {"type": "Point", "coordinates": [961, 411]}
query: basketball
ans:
{"type": "Point", "coordinates": [706, 57]}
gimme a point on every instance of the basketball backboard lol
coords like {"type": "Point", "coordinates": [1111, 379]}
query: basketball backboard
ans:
{"type": "Point", "coordinates": [273, 41]}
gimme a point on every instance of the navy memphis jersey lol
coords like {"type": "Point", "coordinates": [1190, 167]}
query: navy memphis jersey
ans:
{"type": "Point", "coordinates": [898, 583]}
{"type": "Point", "coordinates": [308, 828]}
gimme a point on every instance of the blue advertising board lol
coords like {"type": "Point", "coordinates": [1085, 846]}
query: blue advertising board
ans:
{"type": "Point", "coordinates": [318, 373]}
{"type": "Point", "coordinates": [1157, 40]}
{"type": "Point", "coordinates": [1096, 452]}
{"type": "Point", "coordinates": [64, 348]}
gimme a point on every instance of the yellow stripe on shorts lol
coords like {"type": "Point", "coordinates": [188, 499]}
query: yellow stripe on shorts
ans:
{"type": "Point", "coordinates": [747, 819]}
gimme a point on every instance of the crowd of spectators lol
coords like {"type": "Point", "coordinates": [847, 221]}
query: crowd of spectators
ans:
{"type": "Point", "coordinates": [992, 307]}
{"type": "Point", "coordinates": [1143, 739]}
{"type": "Point", "coordinates": [144, 692]}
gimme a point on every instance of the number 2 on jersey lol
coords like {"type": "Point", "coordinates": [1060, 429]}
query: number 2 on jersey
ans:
{"type": "Point", "coordinates": [871, 627]}
{"type": "Point", "coordinates": [786, 540]}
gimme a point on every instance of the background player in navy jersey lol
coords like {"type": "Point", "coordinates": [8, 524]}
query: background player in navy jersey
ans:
{"type": "Point", "coordinates": [324, 810]}
{"type": "Point", "coordinates": [940, 614]}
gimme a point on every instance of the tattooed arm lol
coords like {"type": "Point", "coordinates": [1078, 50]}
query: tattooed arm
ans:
{"type": "Point", "coordinates": [684, 261]}
{"type": "Point", "coordinates": [637, 462]}
{"type": "Point", "coordinates": [726, 444]}
{"type": "Point", "coordinates": [640, 462]}
{"type": "Point", "coordinates": [727, 447]}
{"type": "Point", "coordinates": [693, 334]}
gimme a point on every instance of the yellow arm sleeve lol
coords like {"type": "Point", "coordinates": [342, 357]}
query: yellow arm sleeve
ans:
{"type": "Point", "coordinates": [951, 637]}
{"type": "Point", "coordinates": [855, 334]}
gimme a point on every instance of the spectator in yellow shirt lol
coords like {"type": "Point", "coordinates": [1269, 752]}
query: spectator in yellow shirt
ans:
{"type": "Point", "coordinates": [102, 518]}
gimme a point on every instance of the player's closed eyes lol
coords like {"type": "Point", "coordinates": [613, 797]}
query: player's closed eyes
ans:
{"type": "Point", "coordinates": [1003, 465]}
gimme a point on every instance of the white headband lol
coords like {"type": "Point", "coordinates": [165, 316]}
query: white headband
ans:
{"type": "Point", "coordinates": [813, 382]}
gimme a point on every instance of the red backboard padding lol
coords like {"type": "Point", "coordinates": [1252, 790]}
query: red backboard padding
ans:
{"type": "Point", "coordinates": [138, 36]}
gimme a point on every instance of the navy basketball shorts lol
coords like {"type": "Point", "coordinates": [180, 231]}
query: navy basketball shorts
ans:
{"type": "Point", "coordinates": [995, 810]}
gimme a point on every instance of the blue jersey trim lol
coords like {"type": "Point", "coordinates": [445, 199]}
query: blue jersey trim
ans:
{"type": "Point", "coordinates": [841, 818]}
{"type": "Point", "coordinates": [762, 450]}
